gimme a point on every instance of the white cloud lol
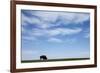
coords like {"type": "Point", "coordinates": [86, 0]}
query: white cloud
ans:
{"type": "Point", "coordinates": [81, 18]}
{"type": "Point", "coordinates": [46, 15]}
{"type": "Point", "coordinates": [45, 19]}
{"type": "Point", "coordinates": [55, 40]}
{"type": "Point", "coordinates": [35, 33]}
{"type": "Point", "coordinates": [35, 21]}
{"type": "Point", "coordinates": [50, 35]}
{"type": "Point", "coordinates": [64, 31]}
{"type": "Point", "coordinates": [29, 38]}
{"type": "Point", "coordinates": [69, 17]}
{"type": "Point", "coordinates": [38, 32]}
{"type": "Point", "coordinates": [55, 32]}
{"type": "Point", "coordinates": [31, 20]}
{"type": "Point", "coordinates": [59, 40]}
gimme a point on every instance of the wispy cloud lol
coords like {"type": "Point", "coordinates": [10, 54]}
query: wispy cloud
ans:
{"type": "Point", "coordinates": [30, 38]}
{"type": "Point", "coordinates": [54, 40]}
{"type": "Point", "coordinates": [31, 20]}
{"type": "Point", "coordinates": [56, 31]}
{"type": "Point", "coordinates": [51, 16]}
{"type": "Point", "coordinates": [44, 24]}
{"type": "Point", "coordinates": [46, 19]}
{"type": "Point", "coordinates": [64, 31]}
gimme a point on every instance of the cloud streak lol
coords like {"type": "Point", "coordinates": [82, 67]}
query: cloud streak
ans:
{"type": "Point", "coordinates": [52, 16]}
{"type": "Point", "coordinates": [49, 24]}
{"type": "Point", "coordinates": [46, 19]}
{"type": "Point", "coordinates": [55, 40]}
{"type": "Point", "coordinates": [29, 38]}
{"type": "Point", "coordinates": [56, 31]}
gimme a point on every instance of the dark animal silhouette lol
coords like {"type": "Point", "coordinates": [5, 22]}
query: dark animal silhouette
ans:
{"type": "Point", "coordinates": [43, 57]}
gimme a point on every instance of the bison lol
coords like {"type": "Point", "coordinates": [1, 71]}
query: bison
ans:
{"type": "Point", "coordinates": [43, 57]}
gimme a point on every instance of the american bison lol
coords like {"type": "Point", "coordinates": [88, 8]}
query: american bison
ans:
{"type": "Point", "coordinates": [43, 57]}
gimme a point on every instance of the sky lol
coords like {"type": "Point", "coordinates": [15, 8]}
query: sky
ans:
{"type": "Point", "coordinates": [56, 34]}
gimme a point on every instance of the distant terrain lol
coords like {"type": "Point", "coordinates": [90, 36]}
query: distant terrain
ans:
{"type": "Point", "coordinates": [51, 60]}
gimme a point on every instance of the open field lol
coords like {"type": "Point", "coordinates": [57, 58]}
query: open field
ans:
{"type": "Point", "coordinates": [51, 60]}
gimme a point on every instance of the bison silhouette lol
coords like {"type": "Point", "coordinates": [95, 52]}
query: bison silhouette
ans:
{"type": "Point", "coordinates": [43, 57]}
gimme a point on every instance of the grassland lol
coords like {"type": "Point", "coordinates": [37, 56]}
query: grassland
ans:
{"type": "Point", "coordinates": [51, 60]}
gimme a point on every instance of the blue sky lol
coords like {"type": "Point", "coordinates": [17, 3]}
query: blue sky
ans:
{"type": "Point", "coordinates": [56, 34]}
